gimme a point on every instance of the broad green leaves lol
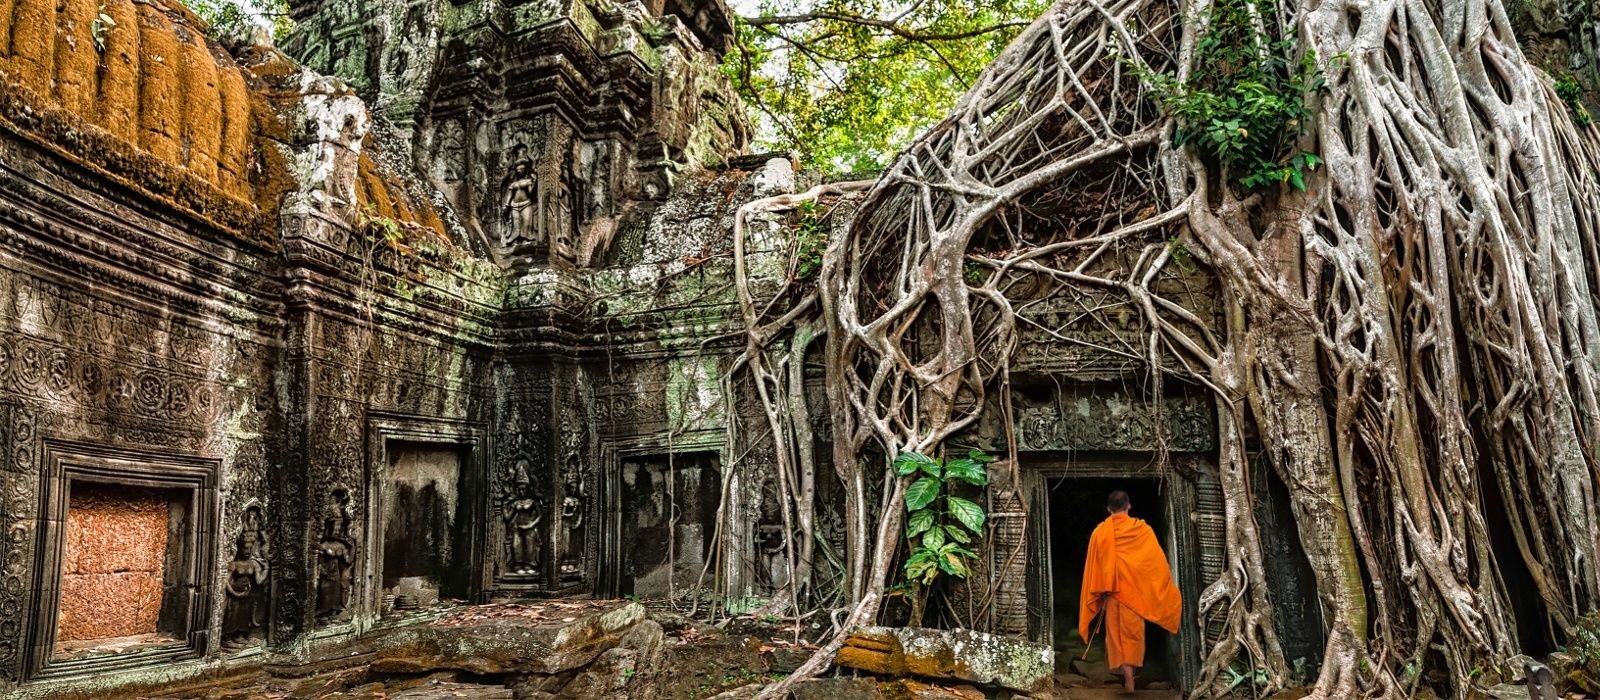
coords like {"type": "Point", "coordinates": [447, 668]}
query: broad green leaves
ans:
{"type": "Point", "coordinates": [938, 522]}
{"type": "Point", "coordinates": [848, 83]}
{"type": "Point", "coordinates": [1244, 104]}
{"type": "Point", "coordinates": [967, 513]}
{"type": "Point", "coordinates": [920, 493]}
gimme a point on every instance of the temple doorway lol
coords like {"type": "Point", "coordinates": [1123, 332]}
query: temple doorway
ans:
{"type": "Point", "coordinates": [1077, 506]}
{"type": "Point", "coordinates": [424, 538]}
{"type": "Point", "coordinates": [669, 511]}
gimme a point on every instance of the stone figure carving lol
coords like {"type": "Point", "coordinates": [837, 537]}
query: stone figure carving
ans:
{"type": "Point", "coordinates": [523, 515]}
{"type": "Point", "coordinates": [564, 223]}
{"type": "Point", "coordinates": [572, 536]}
{"type": "Point", "coordinates": [773, 571]}
{"type": "Point", "coordinates": [335, 555]}
{"type": "Point", "coordinates": [247, 574]}
{"type": "Point", "coordinates": [521, 203]}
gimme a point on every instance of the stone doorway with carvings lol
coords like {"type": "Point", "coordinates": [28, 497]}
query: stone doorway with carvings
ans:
{"type": "Point", "coordinates": [1076, 507]}
{"type": "Point", "coordinates": [1065, 494]}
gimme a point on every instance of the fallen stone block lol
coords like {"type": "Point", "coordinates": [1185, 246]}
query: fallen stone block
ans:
{"type": "Point", "coordinates": [966, 655]}
{"type": "Point", "coordinates": [508, 646]}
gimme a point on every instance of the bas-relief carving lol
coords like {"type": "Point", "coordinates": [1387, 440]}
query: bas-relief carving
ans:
{"type": "Point", "coordinates": [523, 514]}
{"type": "Point", "coordinates": [335, 558]}
{"type": "Point", "coordinates": [1116, 422]}
{"type": "Point", "coordinates": [577, 473]}
{"type": "Point", "coordinates": [521, 223]}
{"type": "Point", "coordinates": [244, 612]}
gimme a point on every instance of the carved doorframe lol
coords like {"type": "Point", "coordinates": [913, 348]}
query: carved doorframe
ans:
{"type": "Point", "coordinates": [469, 436]}
{"type": "Point", "coordinates": [1183, 486]}
{"type": "Point", "coordinates": [65, 463]}
{"type": "Point", "coordinates": [608, 570]}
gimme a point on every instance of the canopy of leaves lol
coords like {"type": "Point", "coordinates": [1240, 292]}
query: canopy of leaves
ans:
{"type": "Point", "coordinates": [847, 83]}
{"type": "Point", "coordinates": [236, 19]}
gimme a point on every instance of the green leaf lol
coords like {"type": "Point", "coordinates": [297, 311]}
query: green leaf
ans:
{"type": "Point", "coordinates": [921, 493]}
{"type": "Point", "coordinates": [968, 513]}
{"type": "Point", "coordinates": [1297, 180]}
{"type": "Point", "coordinates": [909, 462]}
{"type": "Point", "coordinates": [933, 538]}
{"type": "Point", "coordinates": [956, 534]}
{"type": "Point", "coordinates": [966, 470]}
{"type": "Point", "coordinates": [953, 565]}
{"type": "Point", "coordinates": [918, 523]}
{"type": "Point", "coordinates": [980, 457]}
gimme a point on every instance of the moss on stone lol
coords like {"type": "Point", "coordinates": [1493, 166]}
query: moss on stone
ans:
{"type": "Point", "coordinates": [160, 92]}
{"type": "Point", "coordinates": [119, 82]}
{"type": "Point", "coordinates": [202, 106]}
{"type": "Point", "coordinates": [33, 30]}
{"type": "Point", "coordinates": [76, 56]}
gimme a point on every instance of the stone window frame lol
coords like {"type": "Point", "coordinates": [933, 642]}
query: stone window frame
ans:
{"type": "Point", "coordinates": [384, 428]}
{"type": "Point", "coordinates": [66, 462]}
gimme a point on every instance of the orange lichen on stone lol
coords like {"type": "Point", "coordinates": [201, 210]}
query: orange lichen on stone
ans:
{"type": "Point", "coordinates": [77, 59]}
{"type": "Point", "coordinates": [119, 84]}
{"type": "Point", "coordinates": [6, 7]}
{"type": "Point", "coordinates": [160, 93]}
{"type": "Point", "coordinates": [33, 44]}
{"type": "Point", "coordinates": [202, 106]}
{"type": "Point", "coordinates": [113, 563]}
{"type": "Point", "coordinates": [372, 197]}
{"type": "Point", "coordinates": [233, 150]}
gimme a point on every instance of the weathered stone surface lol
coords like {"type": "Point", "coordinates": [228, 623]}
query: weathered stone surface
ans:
{"type": "Point", "coordinates": [837, 689]}
{"type": "Point", "coordinates": [957, 654]}
{"type": "Point", "coordinates": [508, 646]}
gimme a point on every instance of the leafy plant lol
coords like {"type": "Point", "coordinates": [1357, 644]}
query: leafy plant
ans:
{"type": "Point", "coordinates": [1583, 645]}
{"type": "Point", "coordinates": [939, 523]}
{"type": "Point", "coordinates": [811, 240]}
{"type": "Point", "coordinates": [848, 83]}
{"type": "Point", "coordinates": [99, 26]}
{"type": "Point", "coordinates": [1244, 105]}
{"type": "Point", "coordinates": [234, 19]}
{"type": "Point", "coordinates": [1571, 92]}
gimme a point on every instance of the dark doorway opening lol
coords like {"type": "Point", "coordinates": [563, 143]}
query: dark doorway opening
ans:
{"type": "Point", "coordinates": [424, 536]}
{"type": "Point", "coordinates": [1077, 506]}
{"type": "Point", "coordinates": [669, 511]}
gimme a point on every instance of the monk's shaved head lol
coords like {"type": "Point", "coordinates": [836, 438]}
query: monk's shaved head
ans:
{"type": "Point", "coordinates": [1117, 502]}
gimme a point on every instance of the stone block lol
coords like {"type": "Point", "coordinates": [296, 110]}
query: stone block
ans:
{"type": "Point", "coordinates": [837, 689]}
{"type": "Point", "coordinates": [508, 646]}
{"type": "Point", "coordinates": [966, 655]}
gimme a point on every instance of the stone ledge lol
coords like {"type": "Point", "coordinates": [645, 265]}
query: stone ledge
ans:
{"type": "Point", "coordinates": [965, 655]}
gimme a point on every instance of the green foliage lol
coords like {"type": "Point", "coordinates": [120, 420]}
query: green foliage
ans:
{"type": "Point", "coordinates": [1571, 92]}
{"type": "Point", "coordinates": [98, 27]}
{"type": "Point", "coordinates": [1244, 105]}
{"type": "Point", "coordinates": [940, 524]}
{"type": "Point", "coordinates": [847, 83]}
{"type": "Point", "coordinates": [1583, 645]}
{"type": "Point", "coordinates": [234, 19]}
{"type": "Point", "coordinates": [811, 240]}
{"type": "Point", "coordinates": [1256, 677]}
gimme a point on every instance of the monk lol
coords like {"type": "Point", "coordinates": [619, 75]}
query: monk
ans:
{"type": "Point", "coordinates": [1126, 580]}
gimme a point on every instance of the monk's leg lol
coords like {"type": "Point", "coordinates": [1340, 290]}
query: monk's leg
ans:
{"type": "Point", "coordinates": [1124, 641]}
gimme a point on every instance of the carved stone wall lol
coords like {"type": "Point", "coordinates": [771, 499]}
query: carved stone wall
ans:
{"type": "Point", "coordinates": [540, 122]}
{"type": "Point", "coordinates": [122, 329]}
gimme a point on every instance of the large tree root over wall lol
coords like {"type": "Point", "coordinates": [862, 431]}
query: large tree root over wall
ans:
{"type": "Point", "coordinates": [1414, 329]}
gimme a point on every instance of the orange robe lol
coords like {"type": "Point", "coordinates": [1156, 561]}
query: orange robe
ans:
{"type": "Point", "coordinates": [1127, 567]}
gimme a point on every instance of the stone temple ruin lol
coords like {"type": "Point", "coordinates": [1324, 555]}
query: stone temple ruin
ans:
{"type": "Point", "coordinates": [433, 303]}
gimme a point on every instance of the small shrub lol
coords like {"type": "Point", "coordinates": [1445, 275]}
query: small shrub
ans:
{"type": "Point", "coordinates": [1583, 646]}
{"type": "Point", "coordinates": [1571, 92]}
